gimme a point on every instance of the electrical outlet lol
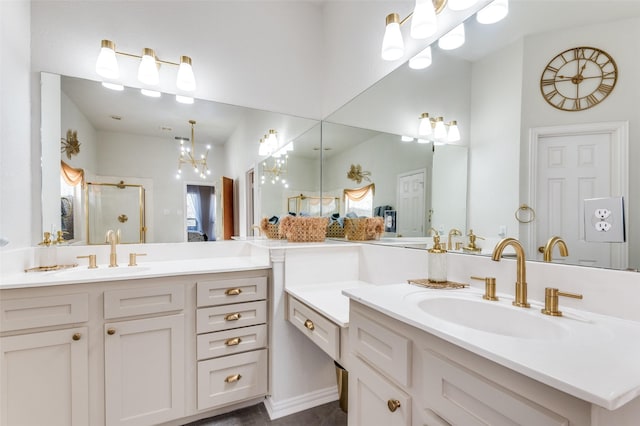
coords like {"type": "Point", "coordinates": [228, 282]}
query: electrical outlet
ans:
{"type": "Point", "coordinates": [604, 220]}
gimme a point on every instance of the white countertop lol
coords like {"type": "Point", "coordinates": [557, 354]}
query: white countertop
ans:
{"type": "Point", "coordinates": [596, 361]}
{"type": "Point", "coordinates": [81, 274]}
{"type": "Point", "coordinates": [327, 298]}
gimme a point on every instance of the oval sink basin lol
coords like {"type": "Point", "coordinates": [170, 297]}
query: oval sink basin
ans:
{"type": "Point", "coordinates": [493, 317]}
{"type": "Point", "coordinates": [100, 272]}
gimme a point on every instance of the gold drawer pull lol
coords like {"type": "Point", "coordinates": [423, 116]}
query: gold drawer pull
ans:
{"type": "Point", "coordinates": [233, 342]}
{"type": "Point", "coordinates": [393, 405]}
{"type": "Point", "coordinates": [309, 324]}
{"type": "Point", "coordinates": [232, 317]}
{"type": "Point", "coordinates": [76, 336]}
{"type": "Point", "coordinates": [233, 291]}
{"type": "Point", "coordinates": [111, 331]}
{"type": "Point", "coordinates": [233, 378]}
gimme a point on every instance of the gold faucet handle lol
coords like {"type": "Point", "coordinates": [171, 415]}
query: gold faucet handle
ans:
{"type": "Point", "coordinates": [92, 260]}
{"type": "Point", "coordinates": [489, 287]}
{"type": "Point", "coordinates": [551, 301]}
{"type": "Point", "coordinates": [133, 258]}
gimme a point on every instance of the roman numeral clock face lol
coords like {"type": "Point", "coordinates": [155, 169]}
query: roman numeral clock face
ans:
{"type": "Point", "coordinates": [578, 78]}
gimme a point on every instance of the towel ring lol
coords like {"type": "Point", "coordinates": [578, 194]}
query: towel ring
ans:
{"type": "Point", "coordinates": [524, 208]}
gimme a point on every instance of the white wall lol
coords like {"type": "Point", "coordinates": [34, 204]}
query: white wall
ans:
{"type": "Point", "coordinates": [19, 191]}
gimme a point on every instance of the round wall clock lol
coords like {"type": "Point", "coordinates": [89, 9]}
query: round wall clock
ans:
{"type": "Point", "coordinates": [578, 78]}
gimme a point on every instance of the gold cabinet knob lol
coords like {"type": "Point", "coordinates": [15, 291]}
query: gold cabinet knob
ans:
{"type": "Point", "coordinates": [233, 291]}
{"type": "Point", "coordinates": [232, 317]}
{"type": "Point", "coordinates": [393, 405]}
{"type": "Point", "coordinates": [551, 301]}
{"type": "Point", "coordinates": [233, 342]}
{"type": "Point", "coordinates": [232, 378]}
{"type": "Point", "coordinates": [76, 336]}
{"type": "Point", "coordinates": [111, 331]}
{"type": "Point", "coordinates": [309, 324]}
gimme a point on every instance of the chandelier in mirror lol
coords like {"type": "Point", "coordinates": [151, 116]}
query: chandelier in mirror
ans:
{"type": "Point", "coordinates": [275, 172]}
{"type": "Point", "coordinates": [188, 155]}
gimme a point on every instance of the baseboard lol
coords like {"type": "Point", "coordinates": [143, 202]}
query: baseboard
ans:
{"type": "Point", "coordinates": [277, 409]}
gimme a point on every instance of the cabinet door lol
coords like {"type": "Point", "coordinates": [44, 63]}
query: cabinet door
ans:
{"type": "Point", "coordinates": [374, 400]}
{"type": "Point", "coordinates": [144, 370]}
{"type": "Point", "coordinates": [45, 378]}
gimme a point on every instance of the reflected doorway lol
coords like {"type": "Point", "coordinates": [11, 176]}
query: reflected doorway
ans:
{"type": "Point", "coordinates": [200, 213]}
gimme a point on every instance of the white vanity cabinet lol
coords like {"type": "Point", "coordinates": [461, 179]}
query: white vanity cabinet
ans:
{"type": "Point", "coordinates": [44, 375]}
{"type": "Point", "coordinates": [409, 377]}
{"type": "Point", "coordinates": [144, 358]}
{"type": "Point", "coordinates": [231, 326]}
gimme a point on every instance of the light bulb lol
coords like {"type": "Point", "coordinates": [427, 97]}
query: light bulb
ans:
{"type": "Point", "coordinates": [148, 69]}
{"type": "Point", "coordinates": [392, 44]}
{"type": "Point", "coordinates": [422, 60]}
{"type": "Point", "coordinates": [453, 39]}
{"type": "Point", "coordinates": [460, 4]}
{"type": "Point", "coordinates": [107, 64]}
{"type": "Point", "coordinates": [423, 21]}
{"type": "Point", "coordinates": [186, 80]}
{"type": "Point", "coordinates": [493, 12]}
{"type": "Point", "coordinates": [453, 135]}
{"type": "Point", "coordinates": [424, 129]}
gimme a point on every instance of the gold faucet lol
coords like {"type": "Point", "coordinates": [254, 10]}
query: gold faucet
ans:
{"type": "Point", "coordinates": [113, 238]}
{"type": "Point", "coordinates": [548, 248]}
{"type": "Point", "coordinates": [256, 228]}
{"type": "Point", "coordinates": [432, 230]}
{"type": "Point", "coordinates": [521, 274]}
{"type": "Point", "coordinates": [453, 232]}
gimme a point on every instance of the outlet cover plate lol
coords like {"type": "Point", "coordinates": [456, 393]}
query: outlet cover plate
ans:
{"type": "Point", "coordinates": [604, 220]}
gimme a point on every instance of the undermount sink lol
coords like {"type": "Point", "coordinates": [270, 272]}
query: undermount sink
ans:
{"type": "Point", "coordinates": [493, 317]}
{"type": "Point", "coordinates": [100, 272]}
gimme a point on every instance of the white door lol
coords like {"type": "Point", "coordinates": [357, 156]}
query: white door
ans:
{"type": "Point", "coordinates": [572, 166]}
{"type": "Point", "coordinates": [410, 211]}
{"type": "Point", "coordinates": [45, 378]}
{"type": "Point", "coordinates": [144, 370]}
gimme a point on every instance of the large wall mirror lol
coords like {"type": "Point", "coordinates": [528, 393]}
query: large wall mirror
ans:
{"type": "Point", "coordinates": [491, 87]}
{"type": "Point", "coordinates": [126, 137]}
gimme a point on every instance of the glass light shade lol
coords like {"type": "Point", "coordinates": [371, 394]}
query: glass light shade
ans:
{"type": "Point", "coordinates": [460, 4]}
{"type": "Point", "coordinates": [423, 141]}
{"type": "Point", "coordinates": [493, 12]}
{"type": "Point", "coordinates": [107, 64]}
{"type": "Point", "coordinates": [272, 140]}
{"type": "Point", "coordinates": [424, 128]}
{"type": "Point", "coordinates": [392, 44]}
{"type": "Point", "coordinates": [186, 80]}
{"type": "Point", "coordinates": [453, 135]}
{"type": "Point", "coordinates": [151, 93]}
{"type": "Point", "coordinates": [423, 22]}
{"type": "Point", "coordinates": [440, 131]}
{"type": "Point", "coordinates": [406, 139]}
{"type": "Point", "coordinates": [148, 70]}
{"type": "Point", "coordinates": [453, 39]}
{"type": "Point", "coordinates": [184, 99]}
{"type": "Point", "coordinates": [263, 148]}
{"type": "Point", "coordinates": [422, 60]}
{"type": "Point", "coordinates": [113, 86]}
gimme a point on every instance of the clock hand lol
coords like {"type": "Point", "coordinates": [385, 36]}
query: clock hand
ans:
{"type": "Point", "coordinates": [566, 78]}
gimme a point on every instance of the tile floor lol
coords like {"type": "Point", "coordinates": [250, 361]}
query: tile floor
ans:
{"type": "Point", "coordinates": [324, 415]}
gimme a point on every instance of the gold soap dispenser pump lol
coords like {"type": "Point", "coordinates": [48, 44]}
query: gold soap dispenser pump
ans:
{"type": "Point", "coordinates": [47, 256]}
{"type": "Point", "coordinates": [437, 262]}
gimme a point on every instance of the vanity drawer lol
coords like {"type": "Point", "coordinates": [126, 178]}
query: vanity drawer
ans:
{"type": "Point", "coordinates": [226, 317]}
{"type": "Point", "coordinates": [316, 327]}
{"type": "Point", "coordinates": [236, 290]}
{"type": "Point", "coordinates": [141, 301]}
{"type": "Point", "coordinates": [229, 342]}
{"type": "Point", "coordinates": [383, 348]}
{"type": "Point", "coordinates": [232, 378]}
{"type": "Point", "coordinates": [32, 312]}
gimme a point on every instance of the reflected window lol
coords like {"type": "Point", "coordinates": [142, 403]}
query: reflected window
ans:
{"type": "Point", "coordinates": [359, 201]}
{"type": "Point", "coordinates": [200, 213]}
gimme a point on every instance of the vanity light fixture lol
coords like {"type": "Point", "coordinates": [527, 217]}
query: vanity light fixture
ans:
{"type": "Point", "coordinates": [270, 145]}
{"type": "Point", "coordinates": [461, 4]}
{"type": "Point", "coordinates": [188, 156]}
{"type": "Point", "coordinates": [435, 130]}
{"type": "Point", "coordinates": [439, 130]}
{"type": "Point", "coordinates": [493, 12]}
{"type": "Point", "coordinates": [453, 39]}
{"type": "Point", "coordinates": [423, 25]}
{"type": "Point", "coordinates": [422, 60]}
{"type": "Point", "coordinates": [424, 128]}
{"type": "Point", "coordinates": [148, 74]}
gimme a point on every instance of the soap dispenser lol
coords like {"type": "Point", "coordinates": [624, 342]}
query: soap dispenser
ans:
{"type": "Point", "coordinates": [437, 255]}
{"type": "Point", "coordinates": [47, 258]}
